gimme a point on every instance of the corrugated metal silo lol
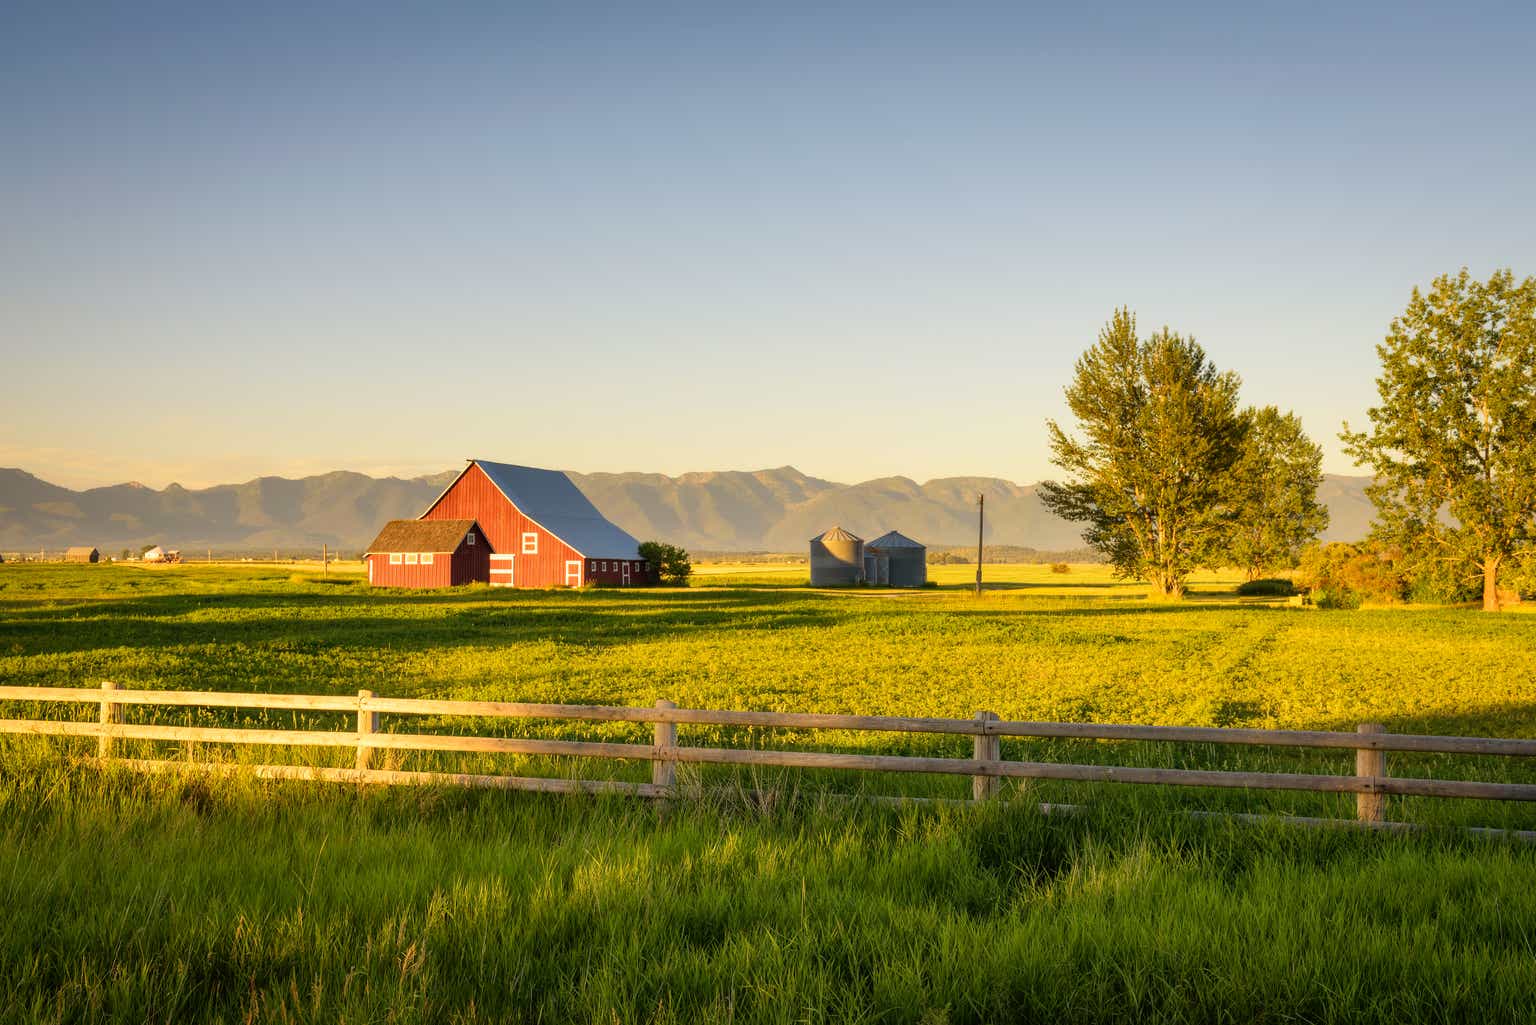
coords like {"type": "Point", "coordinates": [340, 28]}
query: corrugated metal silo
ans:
{"type": "Point", "coordinates": [837, 559]}
{"type": "Point", "coordinates": [877, 568]}
{"type": "Point", "coordinates": [908, 560]}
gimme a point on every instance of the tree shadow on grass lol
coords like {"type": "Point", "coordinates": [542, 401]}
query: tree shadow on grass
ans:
{"type": "Point", "coordinates": [400, 620]}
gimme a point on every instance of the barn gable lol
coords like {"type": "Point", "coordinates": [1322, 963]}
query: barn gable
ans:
{"type": "Point", "coordinates": [550, 499]}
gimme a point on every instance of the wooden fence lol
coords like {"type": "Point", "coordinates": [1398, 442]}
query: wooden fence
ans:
{"type": "Point", "coordinates": [1370, 782]}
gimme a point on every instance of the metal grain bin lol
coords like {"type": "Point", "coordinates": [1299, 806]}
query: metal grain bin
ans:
{"type": "Point", "coordinates": [908, 560]}
{"type": "Point", "coordinates": [837, 559]}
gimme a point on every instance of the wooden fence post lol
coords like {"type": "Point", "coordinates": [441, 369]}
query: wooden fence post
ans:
{"type": "Point", "coordinates": [367, 725]}
{"type": "Point", "coordinates": [986, 747]}
{"type": "Point", "coordinates": [664, 770]}
{"type": "Point", "coordinates": [111, 714]}
{"type": "Point", "coordinates": [1370, 763]}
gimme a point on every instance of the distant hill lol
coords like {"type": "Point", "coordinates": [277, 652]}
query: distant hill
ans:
{"type": "Point", "coordinates": [763, 510]}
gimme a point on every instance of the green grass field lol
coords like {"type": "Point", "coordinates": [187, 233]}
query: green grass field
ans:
{"type": "Point", "coordinates": [161, 899]}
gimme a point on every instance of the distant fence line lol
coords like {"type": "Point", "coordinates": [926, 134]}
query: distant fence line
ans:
{"type": "Point", "coordinates": [1370, 782]}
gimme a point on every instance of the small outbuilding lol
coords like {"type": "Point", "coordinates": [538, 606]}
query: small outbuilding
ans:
{"type": "Point", "coordinates": [81, 553]}
{"type": "Point", "coordinates": [429, 553]}
{"type": "Point", "coordinates": [903, 562]}
{"type": "Point", "coordinates": [837, 559]}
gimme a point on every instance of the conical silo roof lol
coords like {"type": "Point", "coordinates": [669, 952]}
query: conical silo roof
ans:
{"type": "Point", "coordinates": [838, 534]}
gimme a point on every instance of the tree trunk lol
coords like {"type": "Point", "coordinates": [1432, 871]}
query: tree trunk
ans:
{"type": "Point", "coordinates": [1491, 583]}
{"type": "Point", "coordinates": [1166, 586]}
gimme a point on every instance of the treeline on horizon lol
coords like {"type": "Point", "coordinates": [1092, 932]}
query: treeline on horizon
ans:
{"type": "Point", "coordinates": [1170, 473]}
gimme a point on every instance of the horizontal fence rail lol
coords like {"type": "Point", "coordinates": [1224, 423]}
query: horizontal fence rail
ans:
{"type": "Point", "coordinates": [1370, 782]}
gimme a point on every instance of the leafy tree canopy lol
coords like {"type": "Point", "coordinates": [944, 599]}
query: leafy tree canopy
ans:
{"type": "Point", "coordinates": [1453, 442]}
{"type": "Point", "coordinates": [1275, 485]}
{"type": "Point", "coordinates": [1150, 474]}
{"type": "Point", "coordinates": [672, 564]}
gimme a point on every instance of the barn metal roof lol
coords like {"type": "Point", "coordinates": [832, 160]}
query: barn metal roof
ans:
{"type": "Point", "coordinates": [895, 540]}
{"type": "Point", "coordinates": [79, 550]}
{"type": "Point", "coordinates": [551, 499]}
{"type": "Point", "coordinates": [421, 536]}
{"type": "Point", "coordinates": [837, 534]}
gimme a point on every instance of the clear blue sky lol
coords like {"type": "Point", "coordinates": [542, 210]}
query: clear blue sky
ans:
{"type": "Point", "coordinates": [669, 238]}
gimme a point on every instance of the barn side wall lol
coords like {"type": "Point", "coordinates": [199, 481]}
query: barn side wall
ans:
{"type": "Point", "coordinates": [610, 572]}
{"type": "Point", "coordinates": [474, 497]}
{"type": "Point", "coordinates": [439, 574]}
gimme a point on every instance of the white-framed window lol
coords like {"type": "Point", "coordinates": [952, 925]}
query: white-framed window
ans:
{"type": "Point", "coordinates": [410, 558]}
{"type": "Point", "coordinates": [394, 558]}
{"type": "Point", "coordinates": [531, 543]}
{"type": "Point", "coordinates": [426, 558]}
{"type": "Point", "coordinates": [470, 539]}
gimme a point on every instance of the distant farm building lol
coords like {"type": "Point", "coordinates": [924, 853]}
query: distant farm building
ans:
{"type": "Point", "coordinates": [902, 562]}
{"type": "Point", "coordinates": [81, 553]}
{"type": "Point", "coordinates": [543, 531]}
{"type": "Point", "coordinates": [837, 559]}
{"type": "Point", "coordinates": [428, 553]}
{"type": "Point", "coordinates": [840, 559]}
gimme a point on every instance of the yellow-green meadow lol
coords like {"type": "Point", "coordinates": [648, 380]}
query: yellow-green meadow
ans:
{"type": "Point", "coordinates": [197, 898]}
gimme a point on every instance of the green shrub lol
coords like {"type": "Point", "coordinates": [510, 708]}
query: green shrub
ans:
{"type": "Point", "coordinates": [1269, 587]}
{"type": "Point", "coordinates": [1342, 576]}
{"type": "Point", "coordinates": [1060, 567]}
{"type": "Point", "coordinates": [1519, 576]}
{"type": "Point", "coordinates": [670, 562]}
{"type": "Point", "coordinates": [1441, 588]}
{"type": "Point", "coordinates": [1336, 598]}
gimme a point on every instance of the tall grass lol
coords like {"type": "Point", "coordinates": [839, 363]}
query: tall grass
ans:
{"type": "Point", "coordinates": [167, 899]}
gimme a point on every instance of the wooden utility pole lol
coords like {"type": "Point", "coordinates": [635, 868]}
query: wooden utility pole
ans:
{"type": "Point", "coordinates": [325, 562]}
{"type": "Point", "coordinates": [981, 526]}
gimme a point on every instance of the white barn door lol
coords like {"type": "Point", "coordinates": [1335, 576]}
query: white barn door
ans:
{"type": "Point", "coordinates": [502, 574]}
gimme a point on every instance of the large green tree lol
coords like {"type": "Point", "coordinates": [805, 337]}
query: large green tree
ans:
{"type": "Point", "coordinates": [1274, 493]}
{"type": "Point", "coordinates": [1150, 476]}
{"type": "Point", "coordinates": [1453, 443]}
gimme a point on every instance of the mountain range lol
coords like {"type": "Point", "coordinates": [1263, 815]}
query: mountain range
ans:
{"type": "Point", "coordinates": [762, 510]}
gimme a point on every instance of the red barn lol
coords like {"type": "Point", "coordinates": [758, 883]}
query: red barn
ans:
{"type": "Point", "coordinates": [428, 553]}
{"type": "Point", "coordinates": [545, 532]}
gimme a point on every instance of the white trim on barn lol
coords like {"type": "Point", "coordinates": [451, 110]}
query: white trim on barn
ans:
{"type": "Point", "coordinates": [503, 566]}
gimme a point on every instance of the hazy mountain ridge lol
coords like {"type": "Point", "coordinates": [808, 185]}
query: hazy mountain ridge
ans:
{"type": "Point", "coordinates": [772, 510]}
